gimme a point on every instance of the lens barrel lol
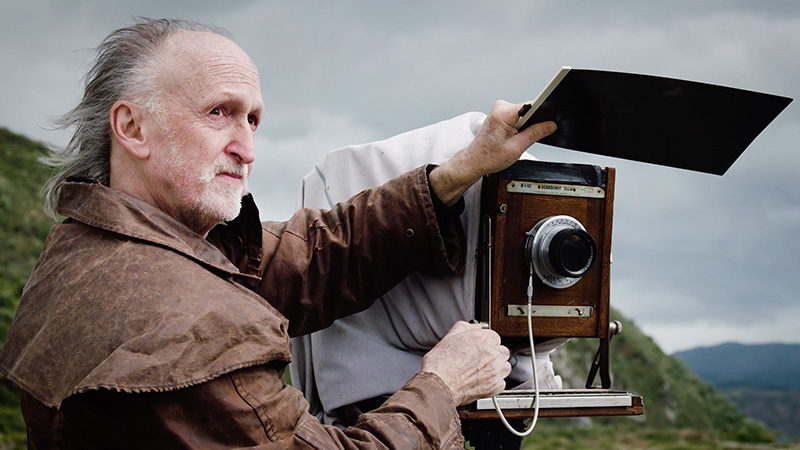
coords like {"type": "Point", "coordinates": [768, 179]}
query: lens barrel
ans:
{"type": "Point", "coordinates": [560, 251]}
{"type": "Point", "coordinates": [572, 252]}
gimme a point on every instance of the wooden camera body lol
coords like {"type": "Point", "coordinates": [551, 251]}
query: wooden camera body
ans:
{"type": "Point", "coordinates": [514, 201]}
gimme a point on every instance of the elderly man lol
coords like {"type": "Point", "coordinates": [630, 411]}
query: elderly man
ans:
{"type": "Point", "coordinates": [148, 323]}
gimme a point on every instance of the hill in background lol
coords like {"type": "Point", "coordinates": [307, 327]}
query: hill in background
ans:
{"type": "Point", "coordinates": [23, 229]}
{"type": "Point", "coordinates": [764, 366]}
{"type": "Point", "coordinates": [681, 410]}
{"type": "Point", "coordinates": [762, 380]}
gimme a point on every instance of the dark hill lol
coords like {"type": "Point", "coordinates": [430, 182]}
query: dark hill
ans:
{"type": "Point", "coordinates": [764, 366]}
{"type": "Point", "coordinates": [673, 395]}
{"type": "Point", "coordinates": [762, 380]}
{"type": "Point", "coordinates": [23, 228]}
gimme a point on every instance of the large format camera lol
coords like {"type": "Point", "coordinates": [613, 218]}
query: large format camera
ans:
{"type": "Point", "coordinates": [546, 233]}
{"type": "Point", "coordinates": [544, 261]}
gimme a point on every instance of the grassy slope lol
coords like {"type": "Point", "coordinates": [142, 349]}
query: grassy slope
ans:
{"type": "Point", "coordinates": [23, 228]}
{"type": "Point", "coordinates": [779, 409]}
{"type": "Point", "coordinates": [681, 411]}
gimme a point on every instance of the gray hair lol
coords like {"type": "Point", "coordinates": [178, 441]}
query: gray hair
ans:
{"type": "Point", "coordinates": [124, 68]}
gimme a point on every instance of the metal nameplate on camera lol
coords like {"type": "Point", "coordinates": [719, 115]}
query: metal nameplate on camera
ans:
{"type": "Point", "coordinates": [564, 190]}
{"type": "Point", "coordinates": [583, 312]}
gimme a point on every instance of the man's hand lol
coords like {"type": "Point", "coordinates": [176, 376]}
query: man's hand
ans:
{"type": "Point", "coordinates": [497, 145]}
{"type": "Point", "coordinates": [470, 361]}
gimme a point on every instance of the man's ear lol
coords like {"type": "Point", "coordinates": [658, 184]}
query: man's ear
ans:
{"type": "Point", "coordinates": [126, 128]}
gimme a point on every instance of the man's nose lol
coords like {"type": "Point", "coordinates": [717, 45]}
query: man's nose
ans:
{"type": "Point", "coordinates": [242, 145]}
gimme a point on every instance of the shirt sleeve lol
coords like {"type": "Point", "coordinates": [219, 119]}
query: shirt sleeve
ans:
{"type": "Point", "coordinates": [321, 265]}
{"type": "Point", "coordinates": [252, 408]}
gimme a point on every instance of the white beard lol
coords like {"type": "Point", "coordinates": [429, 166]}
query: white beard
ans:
{"type": "Point", "coordinates": [207, 197]}
{"type": "Point", "coordinates": [219, 199]}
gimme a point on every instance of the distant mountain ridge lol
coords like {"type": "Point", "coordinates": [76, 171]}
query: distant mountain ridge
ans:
{"type": "Point", "coordinates": [763, 380]}
{"type": "Point", "coordinates": [763, 366]}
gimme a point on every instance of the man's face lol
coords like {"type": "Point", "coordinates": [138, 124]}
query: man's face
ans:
{"type": "Point", "coordinates": [202, 147]}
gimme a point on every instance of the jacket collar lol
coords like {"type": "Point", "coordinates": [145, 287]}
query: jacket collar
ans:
{"type": "Point", "coordinates": [233, 247]}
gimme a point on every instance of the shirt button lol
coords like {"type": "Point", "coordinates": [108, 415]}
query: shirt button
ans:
{"type": "Point", "coordinates": [410, 232]}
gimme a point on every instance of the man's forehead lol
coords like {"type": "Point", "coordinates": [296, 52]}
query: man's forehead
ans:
{"type": "Point", "coordinates": [193, 57]}
{"type": "Point", "coordinates": [199, 49]}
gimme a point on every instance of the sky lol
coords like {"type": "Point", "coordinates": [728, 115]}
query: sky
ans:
{"type": "Point", "coordinates": [698, 259]}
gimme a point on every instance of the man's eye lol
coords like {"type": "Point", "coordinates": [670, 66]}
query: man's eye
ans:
{"type": "Point", "coordinates": [216, 112]}
{"type": "Point", "coordinates": [252, 120]}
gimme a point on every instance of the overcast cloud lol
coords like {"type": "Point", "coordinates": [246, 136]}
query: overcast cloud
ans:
{"type": "Point", "coordinates": [698, 259]}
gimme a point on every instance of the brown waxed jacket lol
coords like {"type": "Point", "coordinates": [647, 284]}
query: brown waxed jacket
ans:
{"type": "Point", "coordinates": [135, 332]}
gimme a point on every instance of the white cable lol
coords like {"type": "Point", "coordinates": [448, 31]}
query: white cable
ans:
{"type": "Point", "coordinates": [533, 366]}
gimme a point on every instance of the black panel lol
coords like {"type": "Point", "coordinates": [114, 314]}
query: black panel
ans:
{"type": "Point", "coordinates": [664, 121]}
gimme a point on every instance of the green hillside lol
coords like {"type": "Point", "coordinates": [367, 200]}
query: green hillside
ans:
{"type": "Point", "coordinates": [681, 411]}
{"type": "Point", "coordinates": [779, 409]}
{"type": "Point", "coordinates": [23, 228]}
{"type": "Point", "coordinates": [763, 380]}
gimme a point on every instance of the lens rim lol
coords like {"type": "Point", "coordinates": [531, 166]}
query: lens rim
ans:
{"type": "Point", "coordinates": [537, 249]}
{"type": "Point", "coordinates": [555, 255]}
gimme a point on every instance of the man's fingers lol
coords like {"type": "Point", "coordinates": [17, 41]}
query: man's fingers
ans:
{"type": "Point", "coordinates": [461, 326]}
{"type": "Point", "coordinates": [471, 360]}
{"type": "Point", "coordinates": [506, 352]}
{"type": "Point", "coordinates": [542, 129]}
{"type": "Point", "coordinates": [490, 336]}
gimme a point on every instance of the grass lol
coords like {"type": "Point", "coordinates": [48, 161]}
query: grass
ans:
{"type": "Point", "coordinates": [628, 436]}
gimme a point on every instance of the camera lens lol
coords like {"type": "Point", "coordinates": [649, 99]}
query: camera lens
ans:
{"type": "Point", "coordinates": [560, 251]}
{"type": "Point", "coordinates": [572, 252]}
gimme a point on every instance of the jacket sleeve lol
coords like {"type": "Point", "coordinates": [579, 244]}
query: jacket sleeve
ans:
{"type": "Point", "coordinates": [253, 409]}
{"type": "Point", "coordinates": [322, 265]}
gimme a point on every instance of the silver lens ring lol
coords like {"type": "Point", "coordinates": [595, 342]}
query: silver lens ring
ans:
{"type": "Point", "coordinates": [548, 250]}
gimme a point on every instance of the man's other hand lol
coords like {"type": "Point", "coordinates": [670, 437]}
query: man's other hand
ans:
{"type": "Point", "coordinates": [471, 362]}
